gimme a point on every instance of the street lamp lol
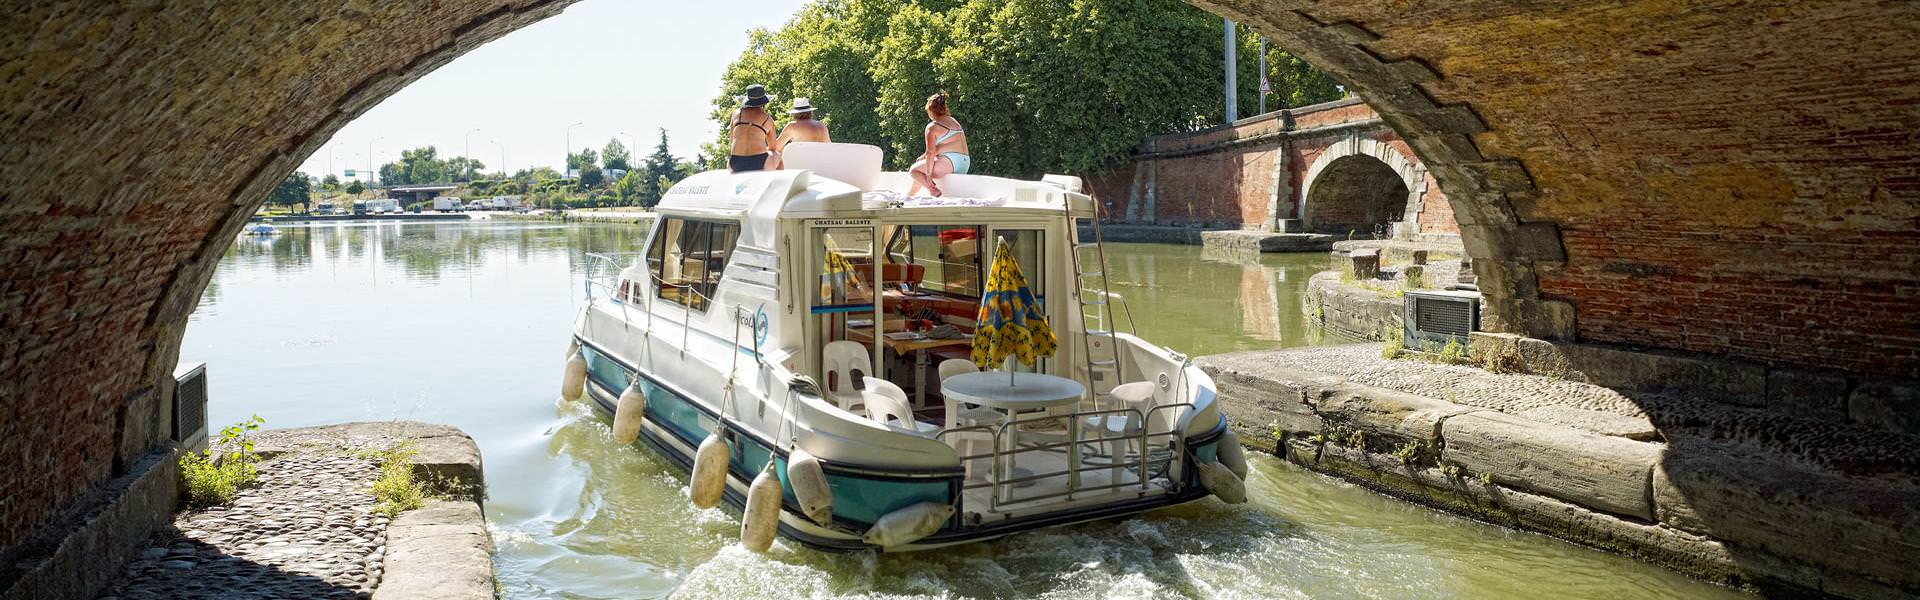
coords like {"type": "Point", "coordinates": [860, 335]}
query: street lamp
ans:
{"type": "Point", "coordinates": [373, 177]}
{"type": "Point", "coordinates": [567, 165]}
{"type": "Point", "coordinates": [469, 153]}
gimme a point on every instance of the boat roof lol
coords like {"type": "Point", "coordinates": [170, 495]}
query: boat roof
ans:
{"type": "Point", "coordinates": [845, 181]}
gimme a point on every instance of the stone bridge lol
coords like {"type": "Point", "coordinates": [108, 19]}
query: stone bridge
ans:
{"type": "Point", "coordinates": [1328, 168]}
{"type": "Point", "coordinates": [1733, 182]}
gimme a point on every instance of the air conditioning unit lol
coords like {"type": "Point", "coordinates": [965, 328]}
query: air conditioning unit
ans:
{"type": "Point", "coordinates": [1433, 318]}
{"type": "Point", "coordinates": [190, 405]}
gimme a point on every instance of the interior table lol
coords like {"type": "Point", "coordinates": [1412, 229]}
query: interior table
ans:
{"type": "Point", "coordinates": [1017, 392]}
{"type": "Point", "coordinates": [918, 349]}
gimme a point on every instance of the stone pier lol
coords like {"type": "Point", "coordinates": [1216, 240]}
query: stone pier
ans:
{"type": "Point", "coordinates": [310, 528]}
{"type": "Point", "coordinates": [1744, 496]}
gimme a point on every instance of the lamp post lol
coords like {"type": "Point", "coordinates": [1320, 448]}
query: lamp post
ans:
{"type": "Point", "coordinates": [566, 166]}
{"type": "Point", "coordinates": [1264, 86]}
{"type": "Point", "coordinates": [373, 177]}
{"type": "Point", "coordinates": [469, 153]}
{"type": "Point", "coordinates": [1233, 86]}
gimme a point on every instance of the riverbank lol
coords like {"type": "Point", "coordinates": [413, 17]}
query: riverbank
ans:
{"type": "Point", "coordinates": [311, 528]}
{"type": "Point", "coordinates": [1738, 496]}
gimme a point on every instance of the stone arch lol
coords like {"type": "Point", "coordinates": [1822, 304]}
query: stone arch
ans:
{"type": "Point", "coordinates": [1355, 165]}
{"type": "Point", "coordinates": [140, 138]}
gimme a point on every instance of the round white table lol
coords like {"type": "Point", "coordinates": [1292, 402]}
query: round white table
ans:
{"type": "Point", "coordinates": [1016, 393]}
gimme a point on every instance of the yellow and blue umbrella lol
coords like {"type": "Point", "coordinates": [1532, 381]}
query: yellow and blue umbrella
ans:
{"type": "Point", "coordinates": [1010, 321]}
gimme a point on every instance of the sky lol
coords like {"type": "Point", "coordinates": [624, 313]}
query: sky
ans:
{"type": "Point", "coordinates": [614, 66]}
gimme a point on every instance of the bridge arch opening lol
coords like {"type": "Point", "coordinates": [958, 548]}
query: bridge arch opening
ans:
{"type": "Point", "coordinates": [1356, 194]}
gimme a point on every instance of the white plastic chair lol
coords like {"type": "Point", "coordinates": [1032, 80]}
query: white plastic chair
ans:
{"type": "Point", "coordinates": [1123, 427]}
{"type": "Point", "coordinates": [960, 414]}
{"type": "Point", "coordinates": [846, 363]}
{"type": "Point", "coordinates": [887, 405]}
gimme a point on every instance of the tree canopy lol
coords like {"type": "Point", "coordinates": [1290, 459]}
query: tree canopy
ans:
{"type": "Point", "coordinates": [1041, 85]}
{"type": "Point", "coordinates": [292, 190]}
{"type": "Point", "coordinates": [616, 156]}
{"type": "Point", "coordinates": [423, 165]}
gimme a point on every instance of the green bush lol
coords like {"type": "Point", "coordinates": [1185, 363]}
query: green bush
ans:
{"type": "Point", "coordinates": [210, 480]}
{"type": "Point", "coordinates": [1454, 353]}
{"type": "Point", "coordinates": [396, 490]}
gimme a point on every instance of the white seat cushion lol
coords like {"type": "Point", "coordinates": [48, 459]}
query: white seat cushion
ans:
{"type": "Point", "coordinates": [1112, 424]}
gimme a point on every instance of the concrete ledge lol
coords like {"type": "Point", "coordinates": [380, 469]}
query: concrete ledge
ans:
{"type": "Point", "coordinates": [97, 539]}
{"type": "Point", "coordinates": [440, 551]}
{"type": "Point", "coordinates": [1350, 309]}
{"type": "Point", "coordinates": [1264, 241]}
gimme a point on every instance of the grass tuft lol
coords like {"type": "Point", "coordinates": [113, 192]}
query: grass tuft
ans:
{"type": "Point", "coordinates": [397, 491]}
{"type": "Point", "coordinates": [208, 479]}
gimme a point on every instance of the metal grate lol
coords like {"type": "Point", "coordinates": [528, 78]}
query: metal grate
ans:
{"type": "Point", "coordinates": [189, 402]}
{"type": "Point", "coordinates": [1442, 316]}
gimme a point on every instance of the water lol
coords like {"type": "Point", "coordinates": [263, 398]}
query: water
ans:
{"type": "Point", "coordinates": [465, 323]}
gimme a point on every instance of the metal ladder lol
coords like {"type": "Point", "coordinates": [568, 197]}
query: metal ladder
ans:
{"type": "Point", "coordinates": [1098, 321]}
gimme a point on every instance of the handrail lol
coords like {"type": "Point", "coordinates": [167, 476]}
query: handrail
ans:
{"type": "Point", "coordinates": [1002, 483]}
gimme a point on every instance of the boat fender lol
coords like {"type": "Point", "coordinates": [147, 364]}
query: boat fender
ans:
{"type": "Point", "coordinates": [626, 415]}
{"type": "Point", "coordinates": [810, 487]}
{"type": "Point", "coordinates": [1232, 454]}
{"type": "Point", "coordinates": [762, 516]}
{"type": "Point", "coordinates": [574, 384]}
{"type": "Point", "coordinates": [1222, 483]}
{"type": "Point", "coordinates": [709, 472]}
{"type": "Point", "coordinates": [908, 525]}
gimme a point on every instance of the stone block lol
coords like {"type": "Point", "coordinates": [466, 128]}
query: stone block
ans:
{"type": "Point", "coordinates": [1364, 263]}
{"type": "Point", "coordinates": [1259, 396]}
{"type": "Point", "coordinates": [440, 551]}
{"type": "Point", "coordinates": [1589, 469]}
{"type": "Point", "coordinates": [1380, 412]}
{"type": "Point", "coordinates": [1886, 405]}
{"type": "Point", "coordinates": [1864, 525]}
{"type": "Point", "coordinates": [1636, 427]}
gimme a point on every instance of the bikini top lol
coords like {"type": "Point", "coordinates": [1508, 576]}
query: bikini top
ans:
{"type": "Point", "coordinates": [755, 125]}
{"type": "Point", "coordinates": [948, 135]}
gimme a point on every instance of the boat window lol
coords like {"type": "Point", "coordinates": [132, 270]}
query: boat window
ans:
{"type": "Point", "coordinates": [687, 258]}
{"type": "Point", "coordinates": [843, 302]}
{"type": "Point", "coordinates": [950, 256]}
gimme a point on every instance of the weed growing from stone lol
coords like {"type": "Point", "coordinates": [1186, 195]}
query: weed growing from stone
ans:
{"type": "Point", "coordinates": [1396, 344]}
{"type": "Point", "coordinates": [1486, 479]}
{"type": "Point", "coordinates": [1451, 471]}
{"type": "Point", "coordinates": [1501, 358]}
{"type": "Point", "coordinates": [209, 479]}
{"type": "Point", "coordinates": [1454, 353]}
{"type": "Point", "coordinates": [396, 490]}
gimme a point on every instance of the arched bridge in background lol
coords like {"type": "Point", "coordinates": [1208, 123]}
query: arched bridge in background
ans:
{"type": "Point", "coordinates": [1717, 180]}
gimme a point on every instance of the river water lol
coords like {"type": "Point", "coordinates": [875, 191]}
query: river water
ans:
{"type": "Point", "coordinates": [465, 323]}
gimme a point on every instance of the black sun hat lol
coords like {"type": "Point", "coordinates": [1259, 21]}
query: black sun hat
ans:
{"type": "Point", "coordinates": [756, 96]}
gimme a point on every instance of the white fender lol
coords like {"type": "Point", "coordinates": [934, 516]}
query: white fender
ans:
{"type": "Point", "coordinates": [810, 487]}
{"type": "Point", "coordinates": [626, 415]}
{"type": "Point", "coordinates": [709, 472]}
{"type": "Point", "coordinates": [1222, 483]}
{"type": "Point", "coordinates": [762, 516]}
{"type": "Point", "coordinates": [574, 384]}
{"type": "Point", "coordinates": [908, 525]}
{"type": "Point", "coordinates": [1232, 455]}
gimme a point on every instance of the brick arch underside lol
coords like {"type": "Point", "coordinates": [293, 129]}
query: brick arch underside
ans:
{"type": "Point", "coordinates": [138, 139]}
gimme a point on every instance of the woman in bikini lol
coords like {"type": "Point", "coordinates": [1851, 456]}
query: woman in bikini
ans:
{"type": "Point", "coordinates": [946, 148]}
{"type": "Point", "coordinates": [752, 131]}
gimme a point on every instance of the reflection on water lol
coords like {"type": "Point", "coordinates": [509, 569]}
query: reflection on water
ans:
{"type": "Point", "coordinates": [464, 323]}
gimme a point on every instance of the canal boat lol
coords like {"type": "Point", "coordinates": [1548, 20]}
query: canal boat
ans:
{"type": "Point", "coordinates": [795, 339]}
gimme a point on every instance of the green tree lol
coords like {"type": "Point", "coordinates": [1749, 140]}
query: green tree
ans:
{"type": "Point", "coordinates": [355, 187]}
{"type": "Point", "coordinates": [294, 189]}
{"type": "Point", "coordinates": [1042, 85]}
{"type": "Point", "coordinates": [585, 166]}
{"type": "Point", "coordinates": [616, 156]}
{"type": "Point", "coordinates": [627, 190]}
{"type": "Point", "coordinates": [659, 172]}
{"type": "Point", "coordinates": [330, 183]}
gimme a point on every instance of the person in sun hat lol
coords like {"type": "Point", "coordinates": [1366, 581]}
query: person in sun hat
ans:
{"type": "Point", "coordinates": [751, 130]}
{"type": "Point", "coordinates": [804, 127]}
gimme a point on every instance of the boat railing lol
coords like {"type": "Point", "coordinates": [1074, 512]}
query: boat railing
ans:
{"type": "Point", "coordinates": [603, 271]}
{"type": "Point", "coordinates": [1104, 314]}
{"type": "Point", "coordinates": [1147, 466]}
